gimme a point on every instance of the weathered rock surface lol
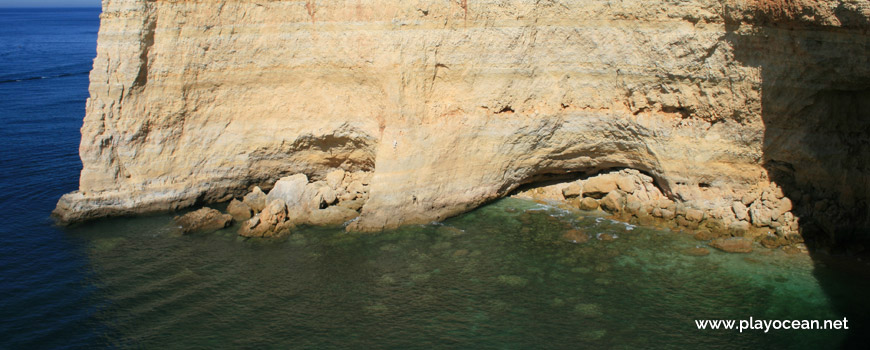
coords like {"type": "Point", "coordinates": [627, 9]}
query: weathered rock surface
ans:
{"type": "Point", "coordinates": [203, 220]}
{"type": "Point", "coordinates": [451, 106]}
{"type": "Point", "coordinates": [256, 200]}
{"type": "Point", "coordinates": [239, 210]}
{"type": "Point", "coordinates": [331, 216]}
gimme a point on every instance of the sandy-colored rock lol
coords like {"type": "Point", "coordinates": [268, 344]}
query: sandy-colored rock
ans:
{"type": "Point", "coordinates": [633, 205]}
{"type": "Point", "coordinates": [741, 212]}
{"type": "Point", "coordinates": [289, 189]}
{"type": "Point", "coordinates": [354, 205]}
{"type": "Point", "coordinates": [625, 184]}
{"type": "Point", "coordinates": [733, 244]}
{"type": "Point", "coordinates": [739, 228]}
{"type": "Point", "coordinates": [239, 210]}
{"type": "Point", "coordinates": [599, 186]}
{"type": "Point", "coordinates": [335, 178]}
{"type": "Point", "coordinates": [256, 199]}
{"type": "Point", "coordinates": [694, 215]}
{"type": "Point", "coordinates": [612, 202]}
{"type": "Point", "coordinates": [272, 221]}
{"type": "Point", "coordinates": [572, 190]}
{"type": "Point", "coordinates": [331, 216]}
{"type": "Point", "coordinates": [453, 107]}
{"type": "Point", "coordinates": [588, 203]}
{"type": "Point", "coordinates": [203, 220]}
{"type": "Point", "coordinates": [327, 194]}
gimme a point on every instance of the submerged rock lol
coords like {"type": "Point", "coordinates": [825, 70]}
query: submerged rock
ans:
{"type": "Point", "coordinates": [606, 237]}
{"type": "Point", "coordinates": [588, 310]}
{"type": "Point", "coordinates": [696, 251]}
{"type": "Point", "coordinates": [512, 280]}
{"type": "Point", "coordinates": [203, 220]}
{"type": "Point", "coordinates": [575, 236]}
{"type": "Point", "coordinates": [733, 244]}
{"type": "Point", "coordinates": [772, 241]}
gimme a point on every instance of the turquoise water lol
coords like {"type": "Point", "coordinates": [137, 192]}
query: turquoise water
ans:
{"type": "Point", "coordinates": [499, 277]}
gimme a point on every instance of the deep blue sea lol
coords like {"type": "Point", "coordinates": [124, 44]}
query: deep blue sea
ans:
{"type": "Point", "coordinates": [499, 277]}
{"type": "Point", "coordinates": [46, 300]}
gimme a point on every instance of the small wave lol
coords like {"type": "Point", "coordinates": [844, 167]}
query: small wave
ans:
{"type": "Point", "coordinates": [63, 75]}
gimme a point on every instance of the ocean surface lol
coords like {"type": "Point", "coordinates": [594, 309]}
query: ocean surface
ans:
{"type": "Point", "coordinates": [500, 277]}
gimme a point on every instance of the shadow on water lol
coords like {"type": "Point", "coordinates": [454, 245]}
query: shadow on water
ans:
{"type": "Point", "coordinates": [815, 97]}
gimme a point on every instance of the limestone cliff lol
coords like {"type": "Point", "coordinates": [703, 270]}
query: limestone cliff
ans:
{"type": "Point", "coordinates": [455, 103]}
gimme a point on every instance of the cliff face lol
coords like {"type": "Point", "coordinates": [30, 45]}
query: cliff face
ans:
{"type": "Point", "coordinates": [454, 103]}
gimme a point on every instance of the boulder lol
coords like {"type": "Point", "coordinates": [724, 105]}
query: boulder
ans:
{"type": "Point", "coordinates": [203, 220]}
{"type": "Point", "coordinates": [312, 197]}
{"type": "Point", "coordinates": [738, 228]}
{"type": "Point", "coordinates": [612, 202]}
{"type": "Point", "coordinates": [625, 184]}
{"type": "Point", "coordinates": [784, 205]}
{"type": "Point", "coordinates": [356, 187]}
{"type": "Point", "coordinates": [328, 195]}
{"type": "Point", "coordinates": [772, 241]}
{"type": "Point", "coordinates": [705, 235]}
{"type": "Point", "coordinates": [733, 244]}
{"type": "Point", "coordinates": [599, 186]}
{"type": "Point", "coordinates": [274, 213]}
{"type": "Point", "coordinates": [633, 205]}
{"type": "Point", "coordinates": [335, 178]}
{"type": "Point", "coordinates": [666, 203]}
{"type": "Point", "coordinates": [256, 200]}
{"type": "Point", "coordinates": [760, 215]}
{"type": "Point", "coordinates": [289, 189]}
{"type": "Point", "coordinates": [588, 204]}
{"type": "Point", "coordinates": [240, 211]}
{"type": "Point", "coordinates": [356, 204]}
{"type": "Point", "coordinates": [331, 216]}
{"type": "Point", "coordinates": [572, 190]}
{"type": "Point", "coordinates": [668, 214]}
{"type": "Point", "coordinates": [272, 221]}
{"type": "Point", "coordinates": [694, 215]}
{"type": "Point", "coordinates": [740, 210]}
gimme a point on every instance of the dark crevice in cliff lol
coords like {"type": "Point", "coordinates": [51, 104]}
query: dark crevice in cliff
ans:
{"type": "Point", "coordinates": [815, 86]}
{"type": "Point", "coordinates": [146, 43]}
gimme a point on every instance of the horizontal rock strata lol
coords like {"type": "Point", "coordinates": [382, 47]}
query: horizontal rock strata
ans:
{"type": "Point", "coordinates": [452, 104]}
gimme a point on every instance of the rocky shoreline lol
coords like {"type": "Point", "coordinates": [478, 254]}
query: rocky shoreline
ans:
{"type": "Point", "coordinates": [293, 200]}
{"type": "Point", "coordinates": [728, 222]}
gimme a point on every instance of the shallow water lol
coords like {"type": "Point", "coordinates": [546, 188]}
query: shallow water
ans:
{"type": "Point", "coordinates": [499, 277]}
